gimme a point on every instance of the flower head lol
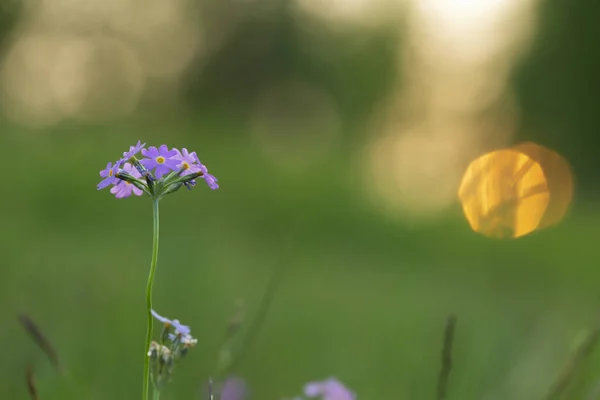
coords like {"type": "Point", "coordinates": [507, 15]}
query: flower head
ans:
{"type": "Point", "coordinates": [123, 188]}
{"type": "Point", "coordinates": [159, 173]}
{"type": "Point", "coordinates": [180, 329]}
{"type": "Point", "coordinates": [160, 158]}
{"type": "Point", "coordinates": [109, 175]}
{"type": "Point", "coordinates": [330, 389]}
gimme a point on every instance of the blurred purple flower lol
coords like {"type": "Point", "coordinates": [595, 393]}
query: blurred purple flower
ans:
{"type": "Point", "coordinates": [234, 389]}
{"type": "Point", "coordinates": [183, 330]}
{"type": "Point", "coordinates": [133, 150]}
{"type": "Point", "coordinates": [330, 389]}
{"type": "Point", "coordinates": [109, 175]}
{"type": "Point", "coordinates": [124, 189]}
{"type": "Point", "coordinates": [162, 159]}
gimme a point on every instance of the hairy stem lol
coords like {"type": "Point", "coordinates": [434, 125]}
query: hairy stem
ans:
{"type": "Point", "coordinates": [146, 386]}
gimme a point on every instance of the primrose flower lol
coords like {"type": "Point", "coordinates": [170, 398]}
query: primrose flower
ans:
{"type": "Point", "coordinates": [180, 329]}
{"type": "Point", "coordinates": [109, 175]}
{"type": "Point", "coordinates": [162, 159]}
{"type": "Point", "coordinates": [191, 165]}
{"type": "Point", "coordinates": [188, 162]}
{"type": "Point", "coordinates": [330, 389]}
{"type": "Point", "coordinates": [123, 188]}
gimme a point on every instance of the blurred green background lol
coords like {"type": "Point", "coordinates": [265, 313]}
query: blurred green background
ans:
{"type": "Point", "coordinates": [370, 277]}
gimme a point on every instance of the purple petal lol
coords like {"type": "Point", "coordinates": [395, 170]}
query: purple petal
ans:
{"type": "Point", "coordinates": [105, 183]}
{"type": "Point", "coordinates": [137, 191]}
{"type": "Point", "coordinates": [161, 170]}
{"type": "Point", "coordinates": [106, 171]}
{"type": "Point", "coordinates": [164, 151]}
{"type": "Point", "coordinates": [192, 168]}
{"type": "Point", "coordinates": [148, 163]}
{"type": "Point", "coordinates": [151, 152]}
{"type": "Point", "coordinates": [180, 328]}
{"type": "Point", "coordinates": [211, 181]}
{"type": "Point", "coordinates": [172, 163]}
{"type": "Point", "coordinates": [313, 389]}
{"type": "Point", "coordinates": [190, 158]}
{"type": "Point", "coordinates": [160, 317]}
{"type": "Point", "coordinates": [131, 170]}
{"type": "Point", "coordinates": [121, 190]}
{"type": "Point", "coordinates": [202, 167]}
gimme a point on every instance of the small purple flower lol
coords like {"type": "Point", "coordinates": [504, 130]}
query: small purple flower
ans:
{"type": "Point", "coordinates": [109, 175]}
{"type": "Point", "coordinates": [189, 162]}
{"type": "Point", "coordinates": [133, 150]}
{"type": "Point", "coordinates": [123, 188]}
{"type": "Point", "coordinates": [330, 389]}
{"type": "Point", "coordinates": [180, 329]}
{"type": "Point", "coordinates": [162, 159]}
{"type": "Point", "coordinates": [234, 389]}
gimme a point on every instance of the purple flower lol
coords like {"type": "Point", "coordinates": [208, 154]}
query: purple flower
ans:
{"type": "Point", "coordinates": [330, 389]}
{"type": "Point", "coordinates": [180, 329]}
{"type": "Point", "coordinates": [234, 389]}
{"type": "Point", "coordinates": [162, 159]}
{"type": "Point", "coordinates": [133, 150]}
{"type": "Point", "coordinates": [124, 189]}
{"type": "Point", "coordinates": [109, 175]}
{"type": "Point", "coordinates": [189, 162]}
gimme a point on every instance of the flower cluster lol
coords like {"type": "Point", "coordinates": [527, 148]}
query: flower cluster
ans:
{"type": "Point", "coordinates": [176, 340]}
{"type": "Point", "coordinates": [160, 172]}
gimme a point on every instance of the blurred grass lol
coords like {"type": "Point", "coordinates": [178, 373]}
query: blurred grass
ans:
{"type": "Point", "coordinates": [364, 298]}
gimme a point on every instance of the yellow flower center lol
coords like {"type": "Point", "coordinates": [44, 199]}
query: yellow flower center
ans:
{"type": "Point", "coordinates": [160, 159]}
{"type": "Point", "coordinates": [110, 173]}
{"type": "Point", "coordinates": [185, 165]}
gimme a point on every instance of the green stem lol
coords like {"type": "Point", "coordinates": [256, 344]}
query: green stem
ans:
{"type": "Point", "coordinates": [149, 300]}
{"type": "Point", "coordinates": [155, 394]}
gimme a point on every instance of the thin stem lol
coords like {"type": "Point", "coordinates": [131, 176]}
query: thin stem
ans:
{"type": "Point", "coordinates": [155, 394]}
{"type": "Point", "coordinates": [442, 386]}
{"type": "Point", "coordinates": [263, 310]}
{"type": "Point", "coordinates": [562, 382]}
{"type": "Point", "coordinates": [145, 388]}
